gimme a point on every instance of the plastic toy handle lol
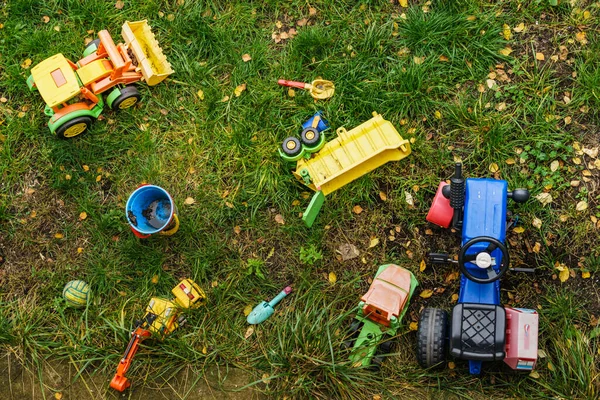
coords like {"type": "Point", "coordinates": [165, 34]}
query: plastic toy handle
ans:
{"type": "Point", "coordinates": [174, 229]}
{"type": "Point", "coordinates": [299, 85]}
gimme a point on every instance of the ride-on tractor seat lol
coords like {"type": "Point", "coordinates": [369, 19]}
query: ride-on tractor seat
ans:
{"type": "Point", "coordinates": [478, 332]}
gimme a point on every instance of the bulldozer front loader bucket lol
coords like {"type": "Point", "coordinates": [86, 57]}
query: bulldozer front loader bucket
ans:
{"type": "Point", "coordinates": [149, 56]}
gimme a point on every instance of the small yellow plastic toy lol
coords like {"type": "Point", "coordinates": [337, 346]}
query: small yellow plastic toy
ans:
{"type": "Point", "coordinates": [161, 318]}
{"type": "Point", "coordinates": [351, 155]}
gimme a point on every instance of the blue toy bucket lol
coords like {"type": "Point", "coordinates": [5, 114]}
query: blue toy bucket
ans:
{"type": "Point", "coordinates": [150, 209]}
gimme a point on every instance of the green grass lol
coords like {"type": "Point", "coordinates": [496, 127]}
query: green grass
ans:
{"type": "Point", "coordinates": [425, 72]}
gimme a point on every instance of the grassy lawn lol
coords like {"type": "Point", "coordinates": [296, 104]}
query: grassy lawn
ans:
{"type": "Point", "coordinates": [511, 88]}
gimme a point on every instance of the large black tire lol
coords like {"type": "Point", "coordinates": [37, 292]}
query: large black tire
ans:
{"type": "Point", "coordinates": [74, 127]}
{"type": "Point", "coordinates": [129, 97]}
{"type": "Point", "coordinates": [432, 338]}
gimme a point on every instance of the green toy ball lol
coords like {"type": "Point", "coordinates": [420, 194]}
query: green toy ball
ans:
{"type": "Point", "coordinates": [76, 293]}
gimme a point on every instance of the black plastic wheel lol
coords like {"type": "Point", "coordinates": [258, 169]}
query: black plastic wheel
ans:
{"type": "Point", "coordinates": [291, 147]}
{"type": "Point", "coordinates": [129, 97]}
{"type": "Point", "coordinates": [353, 333]}
{"type": "Point", "coordinates": [95, 42]}
{"type": "Point", "coordinates": [74, 127]}
{"type": "Point", "coordinates": [382, 351]}
{"type": "Point", "coordinates": [310, 137]}
{"type": "Point", "coordinates": [432, 338]}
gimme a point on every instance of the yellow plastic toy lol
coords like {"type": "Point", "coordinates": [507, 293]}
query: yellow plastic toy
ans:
{"type": "Point", "coordinates": [75, 93]}
{"type": "Point", "coordinates": [351, 155]}
{"type": "Point", "coordinates": [161, 318]}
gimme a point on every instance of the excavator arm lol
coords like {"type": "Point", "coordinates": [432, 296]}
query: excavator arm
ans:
{"type": "Point", "coordinates": [119, 381]}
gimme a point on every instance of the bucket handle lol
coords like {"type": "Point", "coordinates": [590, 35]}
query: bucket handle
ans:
{"type": "Point", "coordinates": [174, 229]}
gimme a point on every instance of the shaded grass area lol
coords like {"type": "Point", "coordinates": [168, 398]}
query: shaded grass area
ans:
{"type": "Point", "coordinates": [427, 72]}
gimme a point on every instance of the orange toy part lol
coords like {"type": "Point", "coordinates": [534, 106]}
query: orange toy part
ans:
{"type": "Point", "coordinates": [123, 70]}
{"type": "Point", "coordinates": [119, 381]}
{"type": "Point", "coordinates": [387, 295]}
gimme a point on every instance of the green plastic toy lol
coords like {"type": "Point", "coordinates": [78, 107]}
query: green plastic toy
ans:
{"type": "Point", "coordinates": [380, 314]}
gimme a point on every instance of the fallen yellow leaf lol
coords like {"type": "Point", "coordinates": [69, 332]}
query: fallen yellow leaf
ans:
{"type": "Point", "coordinates": [25, 64]}
{"type": "Point", "coordinates": [382, 196]}
{"type": "Point", "coordinates": [239, 89]}
{"type": "Point", "coordinates": [585, 274]}
{"type": "Point", "coordinates": [357, 209]}
{"type": "Point", "coordinates": [404, 3]}
{"type": "Point", "coordinates": [540, 56]}
{"type": "Point", "coordinates": [505, 51]}
{"type": "Point", "coordinates": [154, 279]}
{"type": "Point", "coordinates": [82, 216]}
{"type": "Point", "coordinates": [493, 168]}
{"type": "Point", "coordinates": [189, 201]}
{"type": "Point", "coordinates": [246, 57]}
{"type": "Point", "coordinates": [422, 266]}
{"type": "Point", "coordinates": [332, 277]}
{"type": "Point", "coordinates": [581, 206]}
{"type": "Point", "coordinates": [427, 293]}
{"type": "Point", "coordinates": [438, 115]}
{"type": "Point", "coordinates": [58, 235]}
{"type": "Point", "coordinates": [519, 229]}
{"type": "Point", "coordinates": [200, 94]}
{"type": "Point", "coordinates": [519, 28]}
{"type": "Point", "coordinates": [249, 332]}
{"type": "Point", "coordinates": [291, 92]}
{"type": "Point", "coordinates": [506, 32]}
{"type": "Point", "coordinates": [247, 310]}
{"type": "Point", "coordinates": [413, 326]}
{"type": "Point", "coordinates": [279, 219]}
{"type": "Point", "coordinates": [374, 242]}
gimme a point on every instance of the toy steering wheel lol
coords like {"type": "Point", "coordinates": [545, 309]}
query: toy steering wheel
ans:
{"type": "Point", "coordinates": [483, 259]}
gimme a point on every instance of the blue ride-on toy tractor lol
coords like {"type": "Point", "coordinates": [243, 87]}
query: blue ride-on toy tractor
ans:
{"type": "Point", "coordinates": [479, 328]}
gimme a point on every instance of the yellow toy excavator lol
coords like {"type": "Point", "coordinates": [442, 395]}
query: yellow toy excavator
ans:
{"type": "Point", "coordinates": [161, 319]}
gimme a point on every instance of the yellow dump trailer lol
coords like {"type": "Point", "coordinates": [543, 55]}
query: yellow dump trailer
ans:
{"type": "Point", "coordinates": [351, 155]}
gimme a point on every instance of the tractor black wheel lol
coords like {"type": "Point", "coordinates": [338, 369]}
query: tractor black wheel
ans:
{"type": "Point", "coordinates": [129, 97]}
{"type": "Point", "coordinates": [432, 337]}
{"type": "Point", "coordinates": [382, 351]}
{"type": "Point", "coordinates": [74, 127]}
{"type": "Point", "coordinates": [353, 333]}
{"type": "Point", "coordinates": [91, 47]}
{"type": "Point", "coordinates": [291, 147]}
{"type": "Point", "coordinates": [310, 137]}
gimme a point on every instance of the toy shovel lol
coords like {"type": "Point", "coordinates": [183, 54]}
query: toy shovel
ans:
{"type": "Point", "coordinates": [318, 89]}
{"type": "Point", "coordinates": [265, 309]}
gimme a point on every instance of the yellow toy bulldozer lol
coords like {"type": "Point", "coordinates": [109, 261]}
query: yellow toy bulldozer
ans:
{"type": "Point", "coordinates": [74, 92]}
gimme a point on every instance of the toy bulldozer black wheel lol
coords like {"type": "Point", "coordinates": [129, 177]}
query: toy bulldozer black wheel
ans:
{"type": "Point", "coordinates": [291, 147]}
{"type": "Point", "coordinates": [74, 127]}
{"type": "Point", "coordinates": [432, 337]}
{"type": "Point", "coordinates": [129, 97]}
{"type": "Point", "coordinates": [91, 47]}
